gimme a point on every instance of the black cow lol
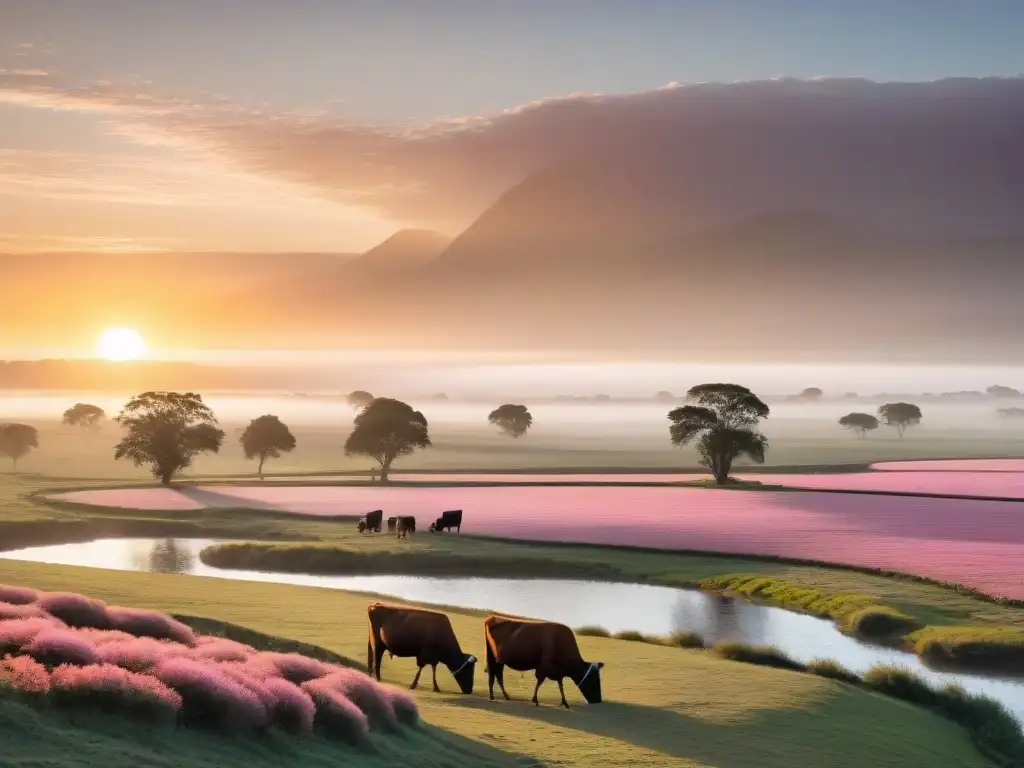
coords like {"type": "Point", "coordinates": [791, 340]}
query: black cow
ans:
{"type": "Point", "coordinates": [406, 525]}
{"type": "Point", "coordinates": [452, 518]}
{"type": "Point", "coordinates": [373, 520]}
{"type": "Point", "coordinates": [392, 522]}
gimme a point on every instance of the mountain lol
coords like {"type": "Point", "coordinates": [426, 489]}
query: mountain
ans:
{"type": "Point", "coordinates": [407, 249]}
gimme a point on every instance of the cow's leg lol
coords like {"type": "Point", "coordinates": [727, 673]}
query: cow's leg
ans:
{"type": "Point", "coordinates": [561, 690]}
{"type": "Point", "coordinates": [433, 668]}
{"type": "Point", "coordinates": [540, 680]}
{"type": "Point", "coordinates": [378, 657]}
{"type": "Point", "coordinates": [416, 680]}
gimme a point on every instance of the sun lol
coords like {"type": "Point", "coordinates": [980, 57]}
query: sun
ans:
{"type": "Point", "coordinates": [120, 344]}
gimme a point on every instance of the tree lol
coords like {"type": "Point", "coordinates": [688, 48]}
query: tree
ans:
{"type": "Point", "coordinates": [1011, 413]}
{"type": "Point", "coordinates": [1002, 392]}
{"type": "Point", "coordinates": [359, 399]}
{"type": "Point", "coordinates": [513, 420]}
{"type": "Point", "coordinates": [266, 438]}
{"type": "Point", "coordinates": [859, 422]}
{"type": "Point", "coordinates": [665, 396]}
{"type": "Point", "coordinates": [385, 430]}
{"type": "Point", "coordinates": [17, 440]}
{"type": "Point", "coordinates": [166, 431]}
{"type": "Point", "coordinates": [899, 416]}
{"type": "Point", "coordinates": [725, 419]}
{"type": "Point", "coordinates": [810, 395]}
{"type": "Point", "coordinates": [84, 415]}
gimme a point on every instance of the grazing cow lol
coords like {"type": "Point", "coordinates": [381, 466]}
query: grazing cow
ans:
{"type": "Point", "coordinates": [548, 648]}
{"type": "Point", "coordinates": [406, 525]}
{"type": "Point", "coordinates": [426, 635]}
{"type": "Point", "coordinates": [361, 526]}
{"type": "Point", "coordinates": [448, 520]}
{"type": "Point", "coordinates": [392, 522]}
{"type": "Point", "coordinates": [373, 520]}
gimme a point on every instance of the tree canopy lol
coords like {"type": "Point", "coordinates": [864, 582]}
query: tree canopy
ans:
{"type": "Point", "coordinates": [811, 394]}
{"type": "Point", "coordinates": [899, 416]}
{"type": "Point", "coordinates": [723, 420]}
{"type": "Point", "coordinates": [513, 420]}
{"type": "Point", "coordinates": [84, 415]}
{"type": "Point", "coordinates": [861, 423]}
{"type": "Point", "coordinates": [359, 399]}
{"type": "Point", "coordinates": [165, 431]}
{"type": "Point", "coordinates": [999, 391]}
{"type": "Point", "coordinates": [266, 437]}
{"type": "Point", "coordinates": [385, 430]}
{"type": "Point", "coordinates": [17, 441]}
{"type": "Point", "coordinates": [1011, 413]}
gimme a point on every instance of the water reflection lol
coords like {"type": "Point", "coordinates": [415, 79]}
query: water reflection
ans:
{"type": "Point", "coordinates": [617, 607]}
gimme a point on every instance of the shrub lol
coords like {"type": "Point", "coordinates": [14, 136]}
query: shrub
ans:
{"type": "Point", "coordinates": [221, 649]}
{"type": "Point", "coordinates": [336, 716]}
{"type": "Point", "coordinates": [879, 622]}
{"type": "Point", "coordinates": [832, 670]}
{"type": "Point", "coordinates": [293, 711]}
{"type": "Point", "coordinates": [631, 635]}
{"type": "Point", "coordinates": [210, 698]}
{"type": "Point", "coordinates": [23, 674]}
{"type": "Point", "coordinates": [100, 637]}
{"type": "Point", "coordinates": [143, 623]}
{"type": "Point", "coordinates": [61, 646]}
{"type": "Point", "coordinates": [686, 639]}
{"type": "Point", "coordinates": [403, 705]}
{"type": "Point", "coordinates": [593, 631]}
{"type": "Point", "coordinates": [15, 634]}
{"type": "Point", "coordinates": [112, 689]}
{"type": "Point", "coordinates": [293, 667]}
{"type": "Point", "coordinates": [75, 610]}
{"type": "Point", "coordinates": [139, 654]}
{"type": "Point", "coordinates": [900, 683]}
{"type": "Point", "coordinates": [17, 595]}
{"type": "Point", "coordinates": [765, 655]}
{"type": "Point", "coordinates": [19, 611]}
{"type": "Point", "coordinates": [366, 694]}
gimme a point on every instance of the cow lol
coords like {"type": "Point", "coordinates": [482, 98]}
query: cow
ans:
{"type": "Point", "coordinates": [373, 520]}
{"type": "Point", "coordinates": [406, 525]}
{"type": "Point", "coordinates": [392, 522]}
{"type": "Point", "coordinates": [448, 520]}
{"type": "Point", "coordinates": [548, 648]}
{"type": "Point", "coordinates": [361, 526]}
{"type": "Point", "coordinates": [426, 635]}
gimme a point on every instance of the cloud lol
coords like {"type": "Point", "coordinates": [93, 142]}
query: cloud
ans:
{"type": "Point", "coordinates": [451, 170]}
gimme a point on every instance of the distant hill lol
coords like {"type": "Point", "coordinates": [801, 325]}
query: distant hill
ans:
{"type": "Point", "coordinates": [407, 249]}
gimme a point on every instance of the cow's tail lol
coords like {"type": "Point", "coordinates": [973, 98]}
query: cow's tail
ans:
{"type": "Point", "coordinates": [370, 651]}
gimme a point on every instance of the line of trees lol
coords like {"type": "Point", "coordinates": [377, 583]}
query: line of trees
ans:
{"type": "Point", "coordinates": [899, 416]}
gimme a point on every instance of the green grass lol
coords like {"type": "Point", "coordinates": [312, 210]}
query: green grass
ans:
{"type": "Point", "coordinates": [664, 706]}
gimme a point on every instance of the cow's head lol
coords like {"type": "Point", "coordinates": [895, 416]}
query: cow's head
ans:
{"type": "Point", "coordinates": [588, 680]}
{"type": "Point", "coordinates": [464, 672]}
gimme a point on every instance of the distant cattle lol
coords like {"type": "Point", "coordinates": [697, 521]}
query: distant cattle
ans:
{"type": "Point", "coordinates": [405, 525]}
{"type": "Point", "coordinates": [448, 520]}
{"type": "Point", "coordinates": [392, 522]}
{"type": "Point", "coordinates": [373, 521]}
{"type": "Point", "coordinates": [547, 648]}
{"type": "Point", "coordinates": [424, 635]}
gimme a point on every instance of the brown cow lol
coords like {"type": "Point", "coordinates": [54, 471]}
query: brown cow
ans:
{"type": "Point", "coordinates": [548, 648]}
{"type": "Point", "coordinates": [426, 635]}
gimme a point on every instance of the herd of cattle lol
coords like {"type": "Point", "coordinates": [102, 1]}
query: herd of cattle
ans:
{"type": "Point", "coordinates": [549, 649]}
{"type": "Point", "coordinates": [403, 525]}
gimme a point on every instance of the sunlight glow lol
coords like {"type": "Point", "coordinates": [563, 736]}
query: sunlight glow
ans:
{"type": "Point", "coordinates": [120, 344]}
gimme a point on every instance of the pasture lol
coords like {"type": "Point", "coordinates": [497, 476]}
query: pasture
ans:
{"type": "Point", "coordinates": [664, 706]}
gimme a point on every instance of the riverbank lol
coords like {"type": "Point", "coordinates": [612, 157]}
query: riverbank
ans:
{"type": "Point", "coordinates": [664, 706]}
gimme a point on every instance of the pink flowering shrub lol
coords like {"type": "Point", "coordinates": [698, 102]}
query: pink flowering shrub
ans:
{"type": "Point", "coordinates": [139, 654]}
{"type": "Point", "coordinates": [210, 698]}
{"type": "Point", "coordinates": [293, 711]}
{"type": "Point", "coordinates": [75, 610]}
{"type": "Point", "coordinates": [103, 636]}
{"type": "Point", "coordinates": [19, 611]}
{"type": "Point", "coordinates": [403, 705]}
{"type": "Point", "coordinates": [143, 623]}
{"type": "Point", "coordinates": [336, 717]}
{"type": "Point", "coordinates": [23, 674]}
{"type": "Point", "coordinates": [294, 667]}
{"type": "Point", "coordinates": [247, 677]}
{"type": "Point", "coordinates": [221, 649]}
{"type": "Point", "coordinates": [61, 646]}
{"type": "Point", "coordinates": [17, 595]}
{"type": "Point", "coordinates": [17, 633]}
{"type": "Point", "coordinates": [371, 698]}
{"type": "Point", "coordinates": [112, 689]}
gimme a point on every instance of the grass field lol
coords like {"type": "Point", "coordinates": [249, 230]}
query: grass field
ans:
{"type": "Point", "coordinates": [664, 706]}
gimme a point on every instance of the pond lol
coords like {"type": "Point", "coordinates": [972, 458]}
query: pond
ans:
{"type": "Point", "coordinates": [644, 608]}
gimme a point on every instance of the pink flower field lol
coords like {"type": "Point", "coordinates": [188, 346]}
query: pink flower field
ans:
{"type": "Point", "coordinates": [952, 465]}
{"type": "Point", "coordinates": [154, 667]}
{"type": "Point", "coordinates": [1006, 485]}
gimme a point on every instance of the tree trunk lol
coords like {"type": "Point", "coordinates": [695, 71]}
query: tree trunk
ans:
{"type": "Point", "coordinates": [722, 465]}
{"type": "Point", "coordinates": [899, 430]}
{"type": "Point", "coordinates": [165, 477]}
{"type": "Point", "coordinates": [260, 470]}
{"type": "Point", "coordinates": [14, 462]}
{"type": "Point", "coordinates": [384, 467]}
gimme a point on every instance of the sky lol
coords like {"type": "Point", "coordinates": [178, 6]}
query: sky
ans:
{"type": "Point", "coordinates": [325, 125]}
